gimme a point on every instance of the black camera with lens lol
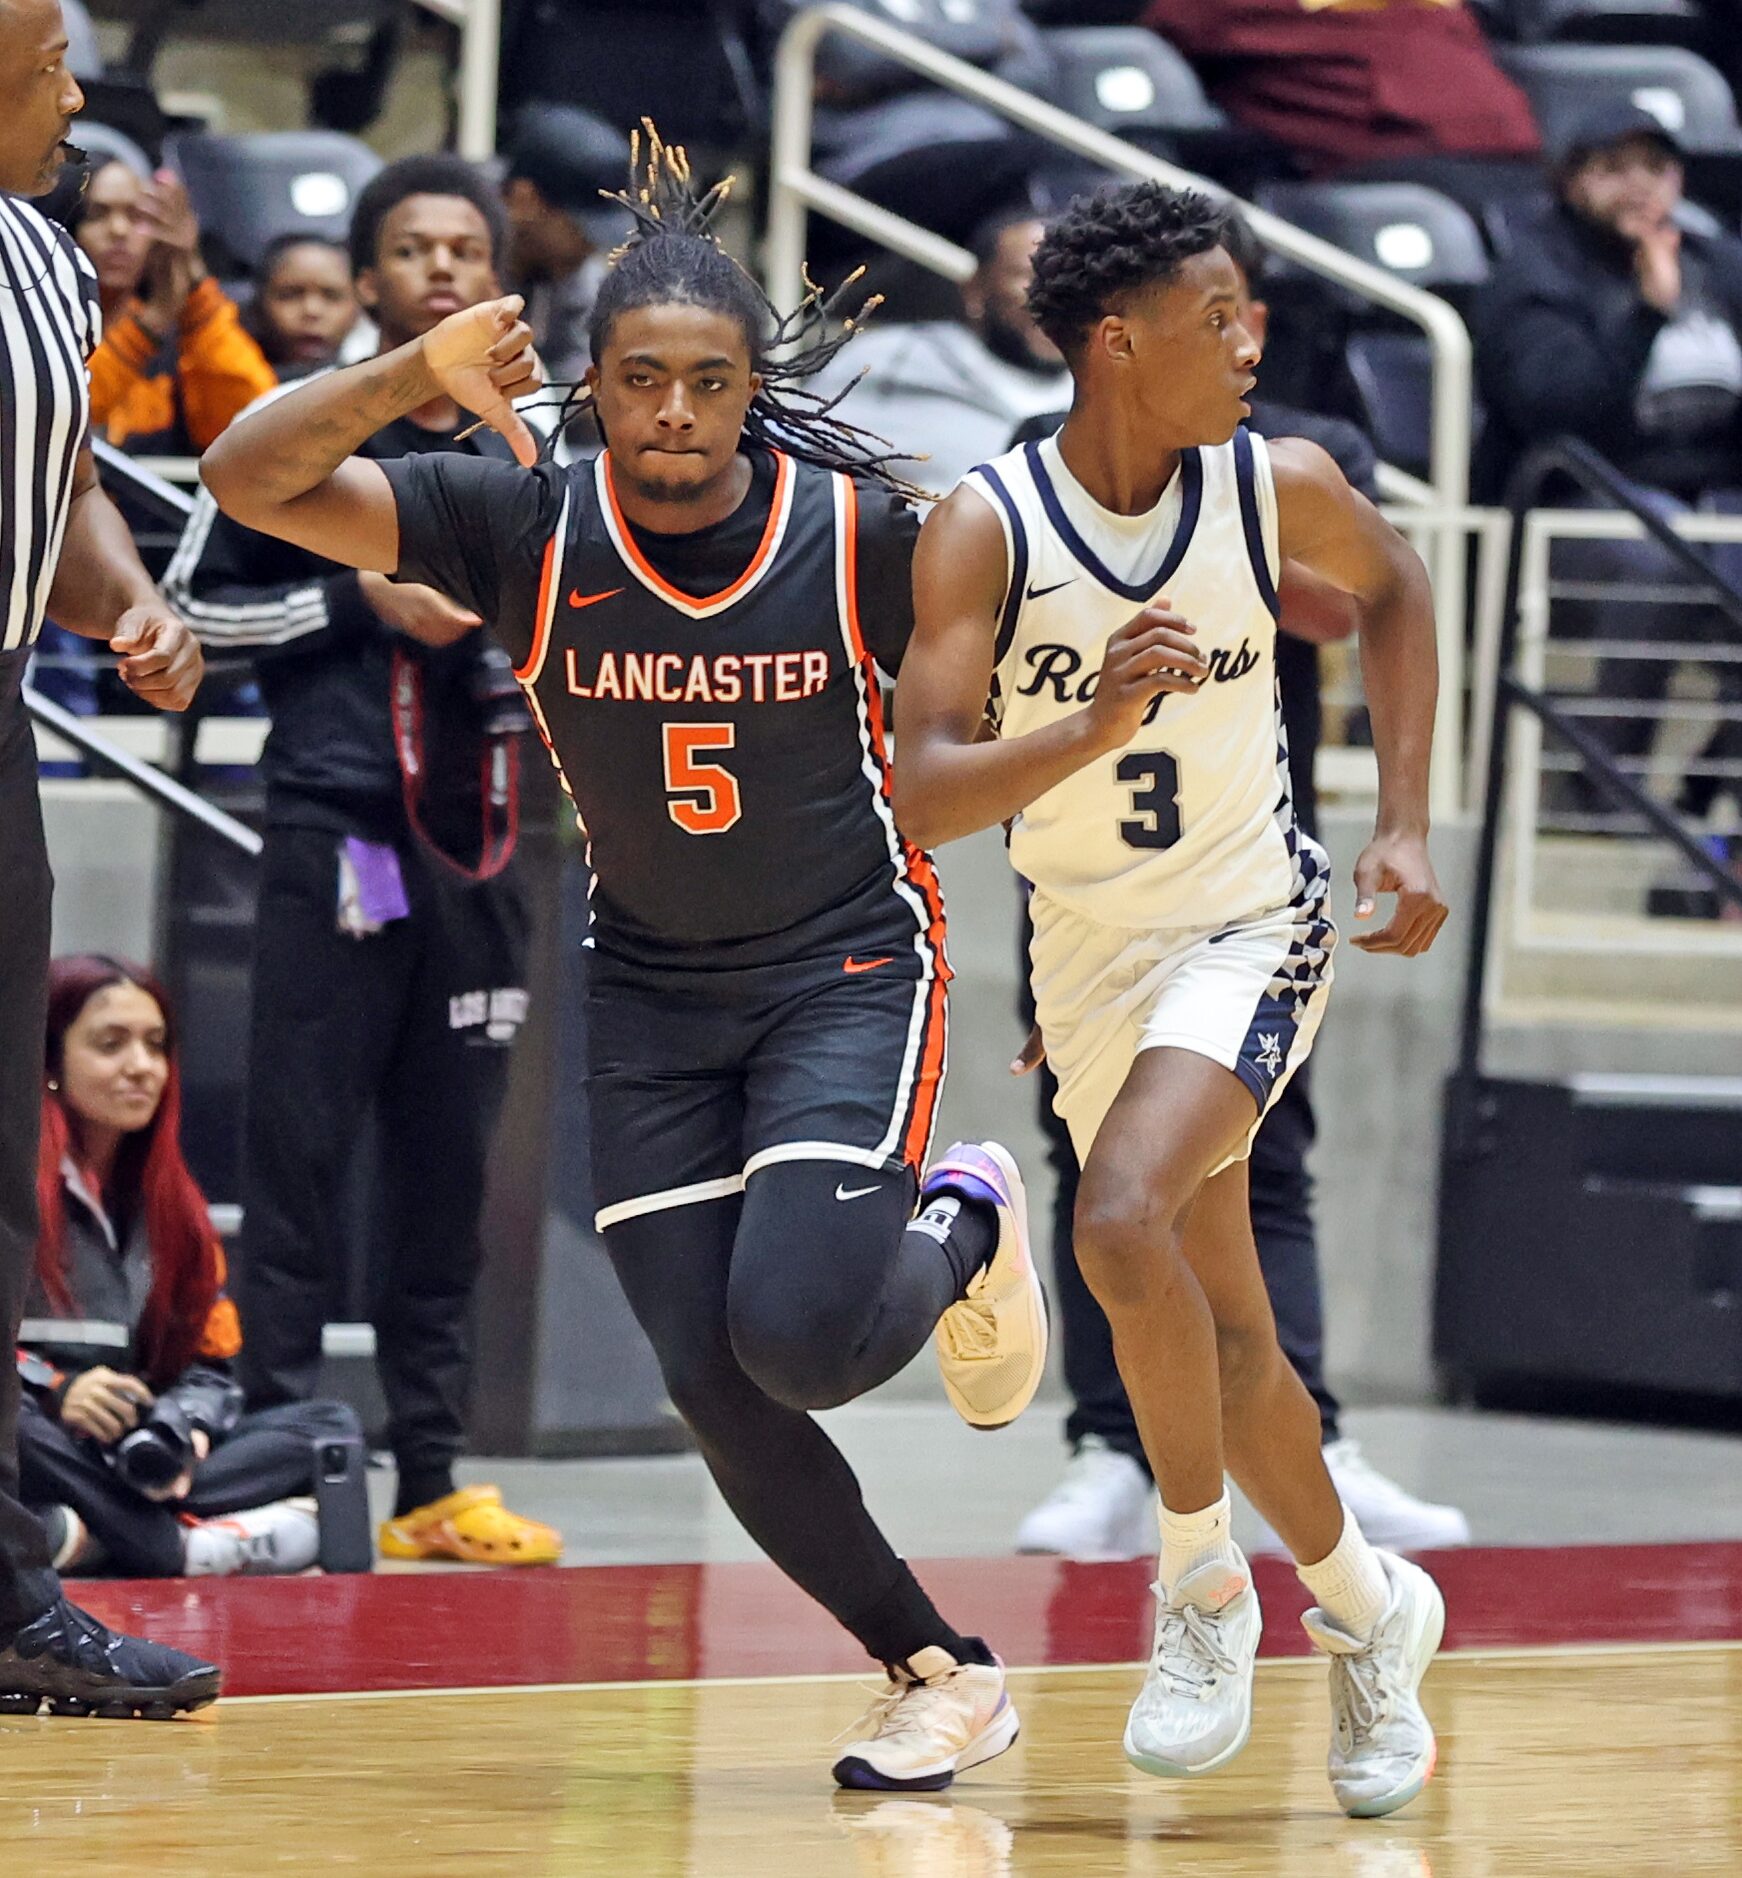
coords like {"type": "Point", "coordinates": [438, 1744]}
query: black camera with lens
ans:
{"type": "Point", "coordinates": [159, 1451]}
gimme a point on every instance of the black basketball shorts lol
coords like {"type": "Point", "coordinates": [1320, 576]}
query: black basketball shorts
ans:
{"type": "Point", "coordinates": [699, 1077]}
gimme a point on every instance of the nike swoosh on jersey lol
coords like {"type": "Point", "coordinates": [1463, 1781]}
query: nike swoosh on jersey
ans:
{"type": "Point", "coordinates": [1040, 593]}
{"type": "Point", "coordinates": [579, 599]}
{"type": "Point", "coordinates": [844, 1192]}
{"type": "Point", "coordinates": [864, 965]}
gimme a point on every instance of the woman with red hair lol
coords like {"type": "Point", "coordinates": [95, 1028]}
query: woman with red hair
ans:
{"type": "Point", "coordinates": [133, 1446]}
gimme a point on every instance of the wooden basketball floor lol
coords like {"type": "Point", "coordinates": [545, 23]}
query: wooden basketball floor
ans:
{"type": "Point", "coordinates": [1565, 1760]}
{"type": "Point", "coordinates": [1612, 1763]}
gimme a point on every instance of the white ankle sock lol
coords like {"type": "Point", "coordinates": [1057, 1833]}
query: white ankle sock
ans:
{"type": "Point", "coordinates": [1189, 1540]}
{"type": "Point", "coordinates": [1349, 1583]}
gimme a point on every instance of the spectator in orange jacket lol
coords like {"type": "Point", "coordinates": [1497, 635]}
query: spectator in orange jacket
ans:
{"type": "Point", "coordinates": [175, 364]}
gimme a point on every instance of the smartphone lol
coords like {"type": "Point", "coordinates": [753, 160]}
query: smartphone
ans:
{"type": "Point", "coordinates": [342, 1499]}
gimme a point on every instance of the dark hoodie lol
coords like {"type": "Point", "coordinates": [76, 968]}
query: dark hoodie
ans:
{"type": "Point", "coordinates": [1563, 340]}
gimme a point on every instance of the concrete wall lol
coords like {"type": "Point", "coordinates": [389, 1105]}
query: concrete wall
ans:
{"type": "Point", "coordinates": [103, 845]}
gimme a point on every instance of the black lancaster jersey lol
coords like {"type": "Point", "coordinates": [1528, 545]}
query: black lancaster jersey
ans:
{"type": "Point", "coordinates": [710, 699]}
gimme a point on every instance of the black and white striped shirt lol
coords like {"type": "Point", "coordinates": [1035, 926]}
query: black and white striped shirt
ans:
{"type": "Point", "coordinates": [49, 327]}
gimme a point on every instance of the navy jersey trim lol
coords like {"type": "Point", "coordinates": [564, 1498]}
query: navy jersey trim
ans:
{"type": "Point", "coordinates": [1246, 478]}
{"type": "Point", "coordinates": [1191, 469]}
{"type": "Point", "coordinates": [1018, 564]}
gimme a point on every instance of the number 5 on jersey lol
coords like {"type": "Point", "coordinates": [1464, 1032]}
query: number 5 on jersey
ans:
{"type": "Point", "coordinates": [704, 797]}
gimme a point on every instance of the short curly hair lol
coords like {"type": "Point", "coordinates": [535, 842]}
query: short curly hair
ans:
{"type": "Point", "coordinates": [1111, 245]}
{"type": "Point", "coordinates": [437, 174]}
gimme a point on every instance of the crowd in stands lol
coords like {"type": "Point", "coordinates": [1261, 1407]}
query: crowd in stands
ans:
{"type": "Point", "coordinates": [1612, 311]}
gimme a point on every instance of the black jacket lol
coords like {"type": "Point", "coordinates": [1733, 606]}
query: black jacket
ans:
{"type": "Point", "coordinates": [1562, 340]}
{"type": "Point", "coordinates": [324, 663]}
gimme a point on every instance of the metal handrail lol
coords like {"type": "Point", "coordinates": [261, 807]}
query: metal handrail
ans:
{"type": "Point", "coordinates": [1565, 456]}
{"type": "Point", "coordinates": [480, 24]}
{"type": "Point", "coordinates": [145, 777]}
{"type": "Point", "coordinates": [172, 504]}
{"type": "Point", "coordinates": [795, 189]}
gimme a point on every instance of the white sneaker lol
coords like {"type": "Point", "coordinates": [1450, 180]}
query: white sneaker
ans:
{"type": "Point", "coordinates": [935, 1719]}
{"type": "Point", "coordinates": [1382, 1745]}
{"type": "Point", "coordinates": [273, 1540]}
{"type": "Point", "coordinates": [1194, 1711]}
{"type": "Point", "coordinates": [1389, 1517]}
{"type": "Point", "coordinates": [1103, 1509]}
{"type": "Point", "coordinates": [992, 1344]}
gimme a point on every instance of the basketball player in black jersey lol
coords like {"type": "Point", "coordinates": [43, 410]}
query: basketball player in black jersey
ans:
{"type": "Point", "coordinates": [696, 618]}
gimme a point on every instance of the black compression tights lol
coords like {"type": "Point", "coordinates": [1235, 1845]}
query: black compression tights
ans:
{"type": "Point", "coordinates": [786, 1300]}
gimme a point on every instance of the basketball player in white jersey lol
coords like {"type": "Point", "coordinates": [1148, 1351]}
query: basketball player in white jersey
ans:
{"type": "Point", "coordinates": [1113, 593]}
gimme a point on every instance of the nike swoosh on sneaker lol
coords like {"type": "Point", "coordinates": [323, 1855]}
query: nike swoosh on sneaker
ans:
{"type": "Point", "coordinates": [1040, 593]}
{"type": "Point", "coordinates": [851, 964]}
{"type": "Point", "coordinates": [844, 1192]}
{"type": "Point", "coordinates": [579, 599]}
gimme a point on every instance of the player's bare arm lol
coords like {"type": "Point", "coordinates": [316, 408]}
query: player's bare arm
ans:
{"type": "Point", "coordinates": [288, 469]}
{"type": "Point", "coordinates": [102, 591]}
{"type": "Point", "coordinates": [1336, 533]}
{"type": "Point", "coordinates": [948, 781]}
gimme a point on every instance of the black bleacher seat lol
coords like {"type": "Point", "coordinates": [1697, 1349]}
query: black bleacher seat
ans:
{"type": "Point", "coordinates": [687, 64]}
{"type": "Point", "coordinates": [253, 22]}
{"type": "Point", "coordinates": [249, 190]}
{"type": "Point", "coordinates": [102, 143]}
{"type": "Point", "coordinates": [929, 155]}
{"type": "Point", "coordinates": [1083, 12]}
{"type": "Point", "coordinates": [1420, 236]}
{"type": "Point", "coordinates": [1415, 233]}
{"type": "Point", "coordinates": [1125, 80]}
{"type": "Point", "coordinates": [1393, 374]}
{"type": "Point", "coordinates": [1679, 88]}
{"type": "Point", "coordinates": [1633, 22]}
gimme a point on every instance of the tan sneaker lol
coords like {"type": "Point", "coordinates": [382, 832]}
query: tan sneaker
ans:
{"type": "Point", "coordinates": [992, 1344]}
{"type": "Point", "coordinates": [934, 1720]}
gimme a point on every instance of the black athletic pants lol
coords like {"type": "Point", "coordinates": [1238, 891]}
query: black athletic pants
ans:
{"type": "Point", "coordinates": [27, 1586]}
{"type": "Point", "coordinates": [414, 1022]}
{"type": "Point", "coordinates": [269, 1455]}
{"type": "Point", "coordinates": [1282, 1224]}
{"type": "Point", "coordinates": [763, 1306]}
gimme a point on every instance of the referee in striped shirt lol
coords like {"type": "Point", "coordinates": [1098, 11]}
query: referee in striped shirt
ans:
{"type": "Point", "coordinates": [63, 550]}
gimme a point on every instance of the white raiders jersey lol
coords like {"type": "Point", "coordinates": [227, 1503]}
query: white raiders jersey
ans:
{"type": "Point", "coordinates": [1192, 824]}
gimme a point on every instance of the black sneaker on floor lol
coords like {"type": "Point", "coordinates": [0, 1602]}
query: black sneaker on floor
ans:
{"type": "Point", "coordinates": [81, 1667]}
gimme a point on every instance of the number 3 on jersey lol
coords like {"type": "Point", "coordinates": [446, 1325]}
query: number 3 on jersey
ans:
{"type": "Point", "coordinates": [1157, 803]}
{"type": "Point", "coordinates": [704, 797]}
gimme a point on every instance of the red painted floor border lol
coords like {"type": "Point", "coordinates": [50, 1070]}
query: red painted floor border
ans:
{"type": "Point", "coordinates": [621, 1623]}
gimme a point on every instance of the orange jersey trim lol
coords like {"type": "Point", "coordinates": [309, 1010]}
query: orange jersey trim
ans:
{"type": "Point", "coordinates": [541, 618]}
{"type": "Point", "coordinates": [758, 561]}
{"type": "Point", "coordinates": [928, 1080]}
{"type": "Point", "coordinates": [929, 1083]}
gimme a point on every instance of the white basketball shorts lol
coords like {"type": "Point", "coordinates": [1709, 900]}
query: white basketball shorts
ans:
{"type": "Point", "coordinates": [1249, 996]}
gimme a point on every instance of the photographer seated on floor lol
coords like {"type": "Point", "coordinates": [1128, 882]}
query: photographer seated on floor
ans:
{"type": "Point", "coordinates": [133, 1446]}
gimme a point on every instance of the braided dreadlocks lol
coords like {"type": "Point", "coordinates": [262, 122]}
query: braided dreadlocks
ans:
{"type": "Point", "coordinates": [673, 256]}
